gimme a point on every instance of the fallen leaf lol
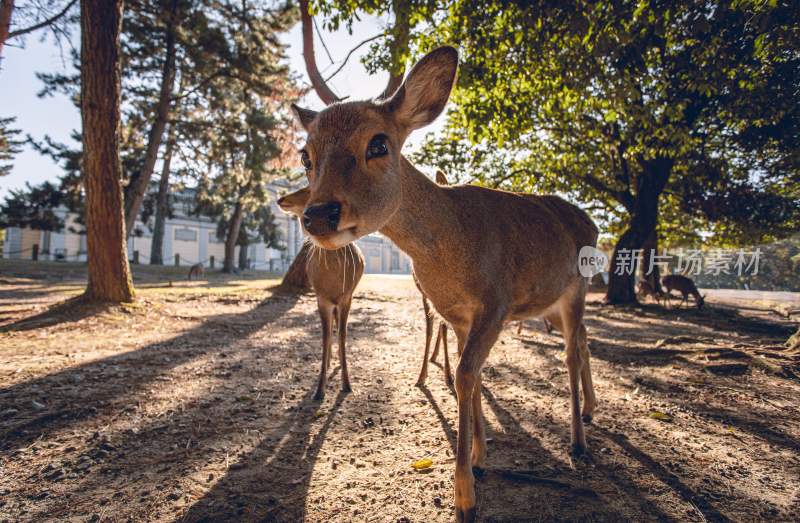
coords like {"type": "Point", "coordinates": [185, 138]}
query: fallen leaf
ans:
{"type": "Point", "coordinates": [660, 416]}
{"type": "Point", "coordinates": [422, 464]}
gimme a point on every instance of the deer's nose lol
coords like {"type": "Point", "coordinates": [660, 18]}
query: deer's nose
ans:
{"type": "Point", "coordinates": [322, 218]}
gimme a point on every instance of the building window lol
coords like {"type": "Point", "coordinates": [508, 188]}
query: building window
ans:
{"type": "Point", "coordinates": [46, 237]}
{"type": "Point", "coordinates": [212, 238]}
{"type": "Point", "coordinates": [395, 261]}
{"type": "Point", "coordinates": [186, 235]}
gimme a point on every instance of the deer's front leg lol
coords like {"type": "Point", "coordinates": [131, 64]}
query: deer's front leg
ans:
{"type": "Point", "coordinates": [342, 313]}
{"type": "Point", "coordinates": [326, 317]}
{"type": "Point", "coordinates": [479, 342]}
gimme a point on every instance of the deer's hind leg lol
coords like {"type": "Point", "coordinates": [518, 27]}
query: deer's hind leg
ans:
{"type": "Point", "coordinates": [571, 307]}
{"type": "Point", "coordinates": [326, 317]}
{"type": "Point", "coordinates": [589, 399]}
{"type": "Point", "coordinates": [343, 310]}
{"type": "Point", "coordinates": [448, 376]}
{"type": "Point", "coordinates": [423, 373]}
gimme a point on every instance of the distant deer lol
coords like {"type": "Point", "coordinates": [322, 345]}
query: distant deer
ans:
{"type": "Point", "coordinates": [685, 286]}
{"type": "Point", "coordinates": [441, 336]}
{"type": "Point", "coordinates": [483, 257]}
{"type": "Point", "coordinates": [334, 275]}
{"type": "Point", "coordinates": [645, 289]}
{"type": "Point", "coordinates": [196, 271]}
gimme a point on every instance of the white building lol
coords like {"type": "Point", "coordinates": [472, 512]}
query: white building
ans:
{"type": "Point", "coordinates": [189, 239]}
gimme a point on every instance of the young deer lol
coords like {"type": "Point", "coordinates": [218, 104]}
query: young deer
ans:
{"type": "Point", "coordinates": [196, 272]}
{"type": "Point", "coordinates": [645, 289]}
{"type": "Point", "coordinates": [683, 285]}
{"type": "Point", "coordinates": [334, 275]}
{"type": "Point", "coordinates": [483, 257]}
{"type": "Point", "coordinates": [441, 336]}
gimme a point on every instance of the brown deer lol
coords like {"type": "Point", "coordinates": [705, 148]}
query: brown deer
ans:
{"type": "Point", "coordinates": [334, 275]}
{"type": "Point", "coordinates": [196, 271]}
{"type": "Point", "coordinates": [441, 336]}
{"type": "Point", "coordinates": [683, 285]}
{"type": "Point", "coordinates": [483, 257]}
{"type": "Point", "coordinates": [644, 289]}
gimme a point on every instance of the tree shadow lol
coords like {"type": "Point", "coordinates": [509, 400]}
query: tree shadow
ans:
{"type": "Point", "coordinates": [258, 487]}
{"type": "Point", "coordinates": [557, 490]}
{"type": "Point", "coordinates": [674, 482]}
{"type": "Point", "coordinates": [89, 390]}
{"type": "Point", "coordinates": [68, 311]}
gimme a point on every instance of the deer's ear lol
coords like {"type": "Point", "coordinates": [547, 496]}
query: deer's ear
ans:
{"type": "Point", "coordinates": [441, 178]}
{"type": "Point", "coordinates": [295, 202]}
{"type": "Point", "coordinates": [303, 116]}
{"type": "Point", "coordinates": [424, 93]}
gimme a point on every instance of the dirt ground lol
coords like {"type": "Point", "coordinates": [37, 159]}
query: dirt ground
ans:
{"type": "Point", "coordinates": [195, 405]}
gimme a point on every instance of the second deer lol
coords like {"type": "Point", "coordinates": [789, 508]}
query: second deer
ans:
{"type": "Point", "coordinates": [334, 275]}
{"type": "Point", "coordinates": [645, 289]}
{"type": "Point", "coordinates": [685, 286]}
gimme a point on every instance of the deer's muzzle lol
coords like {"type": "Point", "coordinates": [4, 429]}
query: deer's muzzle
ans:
{"type": "Point", "coordinates": [322, 218]}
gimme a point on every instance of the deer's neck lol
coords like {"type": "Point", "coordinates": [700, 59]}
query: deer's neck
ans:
{"type": "Point", "coordinates": [423, 218]}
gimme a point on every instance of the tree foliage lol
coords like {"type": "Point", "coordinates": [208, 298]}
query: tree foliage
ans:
{"type": "Point", "coordinates": [622, 103]}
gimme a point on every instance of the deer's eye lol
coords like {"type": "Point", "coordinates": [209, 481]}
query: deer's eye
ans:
{"type": "Point", "coordinates": [377, 147]}
{"type": "Point", "coordinates": [306, 160]}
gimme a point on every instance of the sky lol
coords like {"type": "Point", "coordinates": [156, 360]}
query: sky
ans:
{"type": "Point", "coordinates": [57, 117]}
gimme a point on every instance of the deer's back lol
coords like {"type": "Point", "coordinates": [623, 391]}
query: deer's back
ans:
{"type": "Point", "coordinates": [520, 249]}
{"type": "Point", "coordinates": [678, 282]}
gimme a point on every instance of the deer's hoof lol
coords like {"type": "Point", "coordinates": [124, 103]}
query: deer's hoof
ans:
{"type": "Point", "coordinates": [469, 515]}
{"type": "Point", "coordinates": [478, 472]}
{"type": "Point", "coordinates": [346, 388]}
{"type": "Point", "coordinates": [421, 382]}
{"type": "Point", "coordinates": [319, 395]}
{"type": "Point", "coordinates": [587, 419]}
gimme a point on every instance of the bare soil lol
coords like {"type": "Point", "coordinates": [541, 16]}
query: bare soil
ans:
{"type": "Point", "coordinates": [194, 404]}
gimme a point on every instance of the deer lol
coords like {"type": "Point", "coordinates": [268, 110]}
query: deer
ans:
{"type": "Point", "coordinates": [441, 335]}
{"type": "Point", "coordinates": [644, 289]}
{"type": "Point", "coordinates": [196, 272]}
{"type": "Point", "coordinates": [334, 275]}
{"type": "Point", "coordinates": [685, 286]}
{"type": "Point", "coordinates": [483, 257]}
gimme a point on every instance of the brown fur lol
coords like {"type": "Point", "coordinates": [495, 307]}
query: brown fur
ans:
{"type": "Point", "coordinates": [683, 285]}
{"type": "Point", "coordinates": [441, 335]}
{"type": "Point", "coordinates": [196, 271]}
{"type": "Point", "coordinates": [645, 289]}
{"type": "Point", "coordinates": [334, 275]}
{"type": "Point", "coordinates": [483, 257]}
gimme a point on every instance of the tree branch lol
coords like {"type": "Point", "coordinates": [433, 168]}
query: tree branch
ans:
{"type": "Point", "coordinates": [350, 53]}
{"type": "Point", "coordinates": [317, 82]}
{"type": "Point", "coordinates": [44, 23]}
{"type": "Point", "coordinates": [399, 46]}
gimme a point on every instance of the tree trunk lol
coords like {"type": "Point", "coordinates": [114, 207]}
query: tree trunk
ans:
{"type": "Point", "coordinates": [644, 218]}
{"type": "Point", "coordinates": [650, 247]}
{"type": "Point", "coordinates": [109, 274]}
{"type": "Point", "coordinates": [162, 203]}
{"type": "Point", "coordinates": [296, 277]}
{"type": "Point", "coordinates": [231, 238]}
{"type": "Point", "coordinates": [242, 257]}
{"type": "Point", "coordinates": [137, 186]}
{"type": "Point", "coordinates": [6, 8]}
